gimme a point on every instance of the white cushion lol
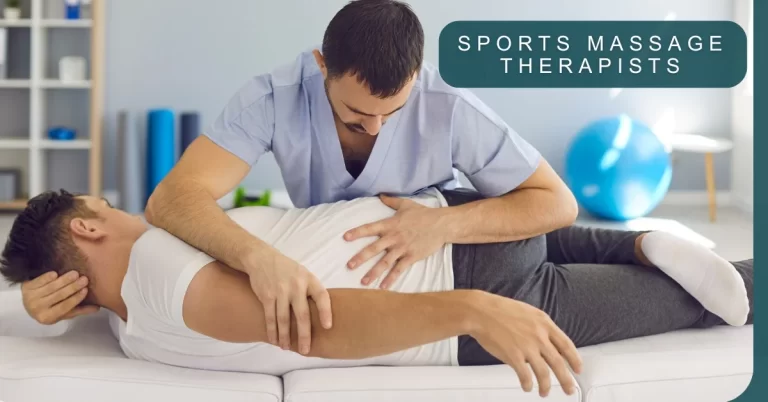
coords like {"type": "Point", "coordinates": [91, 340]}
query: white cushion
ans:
{"type": "Point", "coordinates": [88, 358]}
{"type": "Point", "coordinates": [701, 365]}
{"type": "Point", "coordinates": [417, 384]}
{"type": "Point", "coordinates": [14, 320]}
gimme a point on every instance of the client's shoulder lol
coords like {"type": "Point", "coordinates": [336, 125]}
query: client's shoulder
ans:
{"type": "Point", "coordinates": [157, 247]}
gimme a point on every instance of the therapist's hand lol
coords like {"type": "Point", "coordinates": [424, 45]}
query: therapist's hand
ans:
{"type": "Point", "coordinates": [283, 287]}
{"type": "Point", "coordinates": [408, 237]}
{"type": "Point", "coordinates": [50, 298]}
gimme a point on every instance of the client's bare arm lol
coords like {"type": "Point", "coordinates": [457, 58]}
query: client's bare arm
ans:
{"type": "Point", "coordinates": [219, 303]}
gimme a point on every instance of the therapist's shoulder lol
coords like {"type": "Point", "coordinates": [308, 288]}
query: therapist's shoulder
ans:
{"type": "Point", "coordinates": [462, 102]}
{"type": "Point", "coordinates": [282, 80]}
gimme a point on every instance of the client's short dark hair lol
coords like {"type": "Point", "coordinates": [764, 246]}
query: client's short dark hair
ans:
{"type": "Point", "coordinates": [379, 41]}
{"type": "Point", "coordinates": [40, 241]}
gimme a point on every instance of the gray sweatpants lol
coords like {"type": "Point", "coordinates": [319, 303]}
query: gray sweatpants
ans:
{"type": "Point", "coordinates": [588, 280]}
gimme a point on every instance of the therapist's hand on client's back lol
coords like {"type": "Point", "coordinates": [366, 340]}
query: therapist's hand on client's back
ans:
{"type": "Point", "coordinates": [283, 286]}
{"type": "Point", "coordinates": [50, 298]}
{"type": "Point", "coordinates": [411, 235]}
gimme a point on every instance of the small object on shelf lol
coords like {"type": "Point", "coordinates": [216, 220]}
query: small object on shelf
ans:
{"type": "Point", "coordinates": [12, 11]}
{"type": "Point", "coordinates": [86, 10]}
{"type": "Point", "coordinates": [242, 199]}
{"type": "Point", "coordinates": [72, 9]}
{"type": "Point", "coordinates": [61, 134]}
{"type": "Point", "coordinates": [72, 69]}
{"type": "Point", "coordinates": [10, 184]}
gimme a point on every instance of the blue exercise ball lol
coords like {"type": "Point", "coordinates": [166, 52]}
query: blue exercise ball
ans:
{"type": "Point", "coordinates": [618, 169]}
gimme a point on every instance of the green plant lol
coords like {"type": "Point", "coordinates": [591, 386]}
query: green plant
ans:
{"type": "Point", "coordinates": [13, 3]}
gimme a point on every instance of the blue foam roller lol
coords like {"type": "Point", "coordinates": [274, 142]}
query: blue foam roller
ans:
{"type": "Point", "coordinates": [161, 147]}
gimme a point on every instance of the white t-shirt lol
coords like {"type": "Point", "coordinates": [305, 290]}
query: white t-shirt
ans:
{"type": "Point", "coordinates": [161, 268]}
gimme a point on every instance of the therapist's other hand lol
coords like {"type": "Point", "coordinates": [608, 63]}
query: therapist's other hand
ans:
{"type": "Point", "coordinates": [51, 298]}
{"type": "Point", "coordinates": [283, 286]}
{"type": "Point", "coordinates": [408, 237]}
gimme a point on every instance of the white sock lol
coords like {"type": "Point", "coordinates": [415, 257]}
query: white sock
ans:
{"type": "Point", "coordinates": [713, 281]}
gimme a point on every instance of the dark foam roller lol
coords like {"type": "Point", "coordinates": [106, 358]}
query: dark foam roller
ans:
{"type": "Point", "coordinates": [190, 129]}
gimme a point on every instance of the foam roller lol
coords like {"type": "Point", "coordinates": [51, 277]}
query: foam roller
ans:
{"type": "Point", "coordinates": [161, 147]}
{"type": "Point", "coordinates": [129, 164]}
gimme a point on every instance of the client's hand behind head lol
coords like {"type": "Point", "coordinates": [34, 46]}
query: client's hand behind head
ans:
{"type": "Point", "coordinates": [50, 298]}
{"type": "Point", "coordinates": [44, 251]}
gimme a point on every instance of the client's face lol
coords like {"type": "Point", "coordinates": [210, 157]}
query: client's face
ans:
{"type": "Point", "coordinates": [115, 221]}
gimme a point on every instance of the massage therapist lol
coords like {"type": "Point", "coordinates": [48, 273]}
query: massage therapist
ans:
{"type": "Point", "coordinates": [364, 116]}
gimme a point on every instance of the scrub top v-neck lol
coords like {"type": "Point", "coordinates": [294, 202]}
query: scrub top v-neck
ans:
{"type": "Point", "coordinates": [439, 132]}
{"type": "Point", "coordinates": [326, 134]}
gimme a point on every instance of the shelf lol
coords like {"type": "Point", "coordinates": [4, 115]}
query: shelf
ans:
{"type": "Point", "coordinates": [6, 144]}
{"type": "Point", "coordinates": [83, 23]}
{"type": "Point", "coordinates": [17, 205]}
{"type": "Point", "coordinates": [15, 83]}
{"type": "Point", "coordinates": [50, 23]}
{"type": "Point", "coordinates": [56, 84]}
{"type": "Point", "coordinates": [65, 144]}
{"type": "Point", "coordinates": [9, 143]}
{"type": "Point", "coordinates": [22, 23]}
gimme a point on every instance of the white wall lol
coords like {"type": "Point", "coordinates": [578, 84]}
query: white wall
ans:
{"type": "Point", "coordinates": [742, 125]}
{"type": "Point", "coordinates": [176, 54]}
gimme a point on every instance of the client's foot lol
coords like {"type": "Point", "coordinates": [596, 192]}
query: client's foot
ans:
{"type": "Point", "coordinates": [713, 281]}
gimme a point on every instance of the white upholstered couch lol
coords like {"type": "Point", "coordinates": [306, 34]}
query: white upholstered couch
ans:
{"type": "Point", "coordinates": [81, 361]}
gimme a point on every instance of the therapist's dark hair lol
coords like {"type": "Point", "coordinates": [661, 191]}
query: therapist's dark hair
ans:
{"type": "Point", "coordinates": [379, 41]}
{"type": "Point", "coordinates": [40, 240]}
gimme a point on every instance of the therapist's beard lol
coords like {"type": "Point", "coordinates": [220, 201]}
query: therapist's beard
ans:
{"type": "Point", "coordinates": [353, 127]}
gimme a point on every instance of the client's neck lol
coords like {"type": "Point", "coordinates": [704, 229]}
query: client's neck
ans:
{"type": "Point", "coordinates": [108, 265]}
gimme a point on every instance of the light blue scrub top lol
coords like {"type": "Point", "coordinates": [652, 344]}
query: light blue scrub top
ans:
{"type": "Point", "coordinates": [440, 130]}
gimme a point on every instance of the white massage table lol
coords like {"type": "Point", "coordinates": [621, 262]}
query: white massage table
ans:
{"type": "Point", "coordinates": [81, 361]}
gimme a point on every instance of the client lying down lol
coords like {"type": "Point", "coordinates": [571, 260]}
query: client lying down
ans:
{"type": "Point", "coordinates": [463, 305]}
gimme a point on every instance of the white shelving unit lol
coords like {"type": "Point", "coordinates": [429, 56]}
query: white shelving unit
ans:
{"type": "Point", "coordinates": [38, 144]}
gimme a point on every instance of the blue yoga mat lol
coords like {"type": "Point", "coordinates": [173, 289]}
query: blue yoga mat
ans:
{"type": "Point", "coordinates": [161, 147]}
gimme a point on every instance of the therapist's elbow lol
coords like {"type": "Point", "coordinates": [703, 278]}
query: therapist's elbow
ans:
{"type": "Point", "coordinates": [568, 208]}
{"type": "Point", "coordinates": [154, 210]}
{"type": "Point", "coordinates": [150, 211]}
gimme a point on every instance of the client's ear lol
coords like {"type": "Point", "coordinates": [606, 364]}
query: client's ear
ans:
{"type": "Point", "coordinates": [87, 229]}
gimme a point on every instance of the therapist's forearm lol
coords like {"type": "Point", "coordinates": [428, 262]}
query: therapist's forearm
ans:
{"type": "Point", "coordinates": [187, 211]}
{"type": "Point", "coordinates": [520, 214]}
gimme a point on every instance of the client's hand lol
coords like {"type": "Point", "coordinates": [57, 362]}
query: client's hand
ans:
{"type": "Point", "coordinates": [519, 334]}
{"type": "Point", "coordinates": [50, 298]}
{"type": "Point", "coordinates": [285, 285]}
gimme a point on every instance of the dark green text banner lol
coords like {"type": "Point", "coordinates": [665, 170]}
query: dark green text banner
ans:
{"type": "Point", "coordinates": [593, 54]}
